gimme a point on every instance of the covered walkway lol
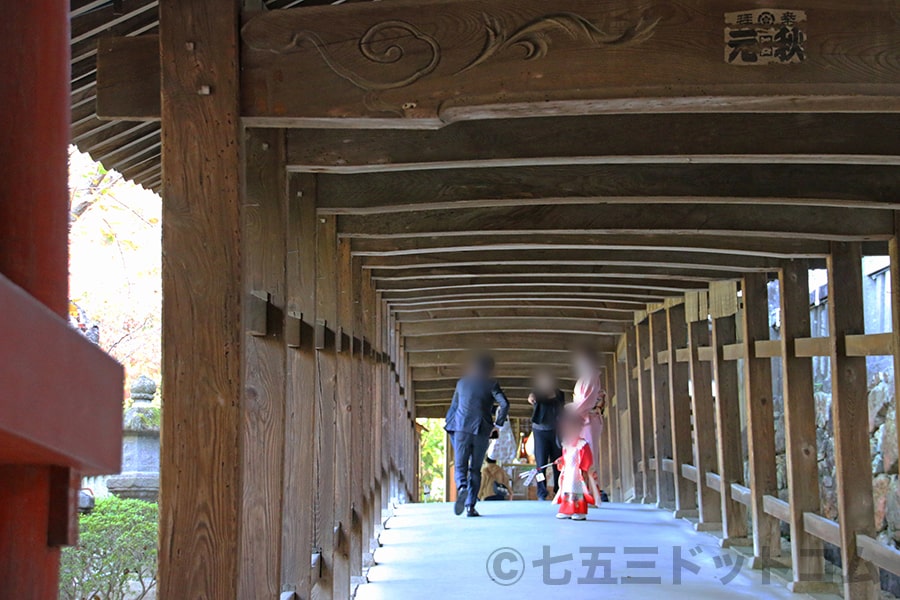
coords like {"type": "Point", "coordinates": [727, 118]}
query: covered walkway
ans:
{"type": "Point", "coordinates": [427, 549]}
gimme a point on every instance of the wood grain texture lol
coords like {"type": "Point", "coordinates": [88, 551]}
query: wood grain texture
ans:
{"type": "Point", "coordinates": [812, 185]}
{"type": "Point", "coordinates": [264, 215]}
{"type": "Point", "coordinates": [300, 425]}
{"type": "Point", "coordinates": [662, 420]}
{"type": "Point", "coordinates": [603, 139]}
{"type": "Point", "coordinates": [325, 63]}
{"type": "Point", "coordinates": [346, 479]}
{"type": "Point", "coordinates": [728, 429]}
{"type": "Point", "coordinates": [760, 416]}
{"type": "Point", "coordinates": [326, 520]}
{"type": "Point", "coordinates": [201, 485]}
{"type": "Point", "coordinates": [849, 411]}
{"type": "Point", "coordinates": [646, 426]}
{"type": "Point", "coordinates": [713, 219]}
{"type": "Point", "coordinates": [680, 409]}
{"type": "Point", "coordinates": [634, 412]}
{"type": "Point", "coordinates": [799, 425]}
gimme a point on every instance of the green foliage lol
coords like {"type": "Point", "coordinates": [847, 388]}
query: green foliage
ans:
{"type": "Point", "coordinates": [116, 554]}
{"type": "Point", "coordinates": [432, 459]}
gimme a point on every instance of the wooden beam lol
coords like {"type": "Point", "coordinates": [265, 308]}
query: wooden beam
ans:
{"type": "Point", "coordinates": [812, 185]}
{"type": "Point", "coordinates": [680, 411]}
{"type": "Point", "coordinates": [852, 450]}
{"type": "Point", "coordinates": [300, 426]}
{"type": "Point", "coordinates": [590, 240]}
{"type": "Point", "coordinates": [634, 413]}
{"type": "Point", "coordinates": [262, 441]}
{"type": "Point", "coordinates": [603, 139]}
{"type": "Point", "coordinates": [203, 419]}
{"type": "Point", "coordinates": [513, 289]}
{"type": "Point", "coordinates": [662, 420]}
{"type": "Point", "coordinates": [348, 484]}
{"type": "Point", "coordinates": [760, 418]}
{"type": "Point", "coordinates": [709, 505]}
{"type": "Point", "coordinates": [696, 220]}
{"type": "Point", "coordinates": [645, 430]}
{"type": "Point", "coordinates": [453, 61]}
{"type": "Point", "coordinates": [728, 417]}
{"type": "Point", "coordinates": [673, 285]}
{"type": "Point", "coordinates": [327, 539]}
{"type": "Point", "coordinates": [508, 340]}
{"type": "Point", "coordinates": [450, 317]}
{"type": "Point", "coordinates": [454, 358]}
{"type": "Point", "coordinates": [799, 427]}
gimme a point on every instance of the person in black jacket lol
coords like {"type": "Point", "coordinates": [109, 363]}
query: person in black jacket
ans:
{"type": "Point", "coordinates": [470, 423]}
{"type": "Point", "coordinates": [547, 400]}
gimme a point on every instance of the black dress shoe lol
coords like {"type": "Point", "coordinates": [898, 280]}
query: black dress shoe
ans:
{"type": "Point", "coordinates": [460, 503]}
{"type": "Point", "coordinates": [471, 512]}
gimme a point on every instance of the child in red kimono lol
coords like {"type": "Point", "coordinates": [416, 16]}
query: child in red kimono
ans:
{"type": "Point", "coordinates": [577, 489]}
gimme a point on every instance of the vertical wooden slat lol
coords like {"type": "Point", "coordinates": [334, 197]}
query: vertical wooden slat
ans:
{"type": "Point", "coordinates": [728, 420]}
{"type": "Point", "coordinates": [850, 407]}
{"type": "Point", "coordinates": [612, 427]}
{"type": "Point", "coordinates": [704, 409]}
{"type": "Point", "coordinates": [346, 484]}
{"type": "Point", "coordinates": [894, 252]}
{"type": "Point", "coordinates": [680, 411]}
{"type": "Point", "coordinates": [662, 421]}
{"type": "Point", "coordinates": [634, 412]}
{"type": "Point", "coordinates": [645, 390]}
{"type": "Point", "coordinates": [326, 310]}
{"type": "Point", "coordinates": [760, 417]}
{"type": "Point", "coordinates": [202, 340]}
{"type": "Point", "coordinates": [297, 535]}
{"type": "Point", "coordinates": [800, 427]}
{"type": "Point", "coordinates": [264, 216]}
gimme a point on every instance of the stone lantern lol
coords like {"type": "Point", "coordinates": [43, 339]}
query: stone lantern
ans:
{"type": "Point", "coordinates": [140, 446]}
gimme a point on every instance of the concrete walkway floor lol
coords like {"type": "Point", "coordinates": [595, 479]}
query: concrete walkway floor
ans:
{"type": "Point", "coordinates": [518, 549]}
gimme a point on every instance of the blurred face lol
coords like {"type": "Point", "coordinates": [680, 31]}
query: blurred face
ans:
{"type": "Point", "coordinates": [545, 382]}
{"type": "Point", "coordinates": [584, 365]}
{"type": "Point", "coordinates": [571, 430]}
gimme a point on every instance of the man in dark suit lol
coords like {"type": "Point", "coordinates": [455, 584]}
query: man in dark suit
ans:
{"type": "Point", "coordinates": [470, 423]}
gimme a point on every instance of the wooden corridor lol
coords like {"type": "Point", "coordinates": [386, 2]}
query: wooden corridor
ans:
{"type": "Point", "coordinates": [355, 197]}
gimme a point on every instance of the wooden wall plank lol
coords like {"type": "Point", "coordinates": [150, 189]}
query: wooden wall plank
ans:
{"type": "Point", "coordinates": [760, 417]}
{"type": "Point", "coordinates": [333, 562]}
{"type": "Point", "coordinates": [801, 446]}
{"type": "Point", "coordinates": [645, 393]}
{"type": "Point", "coordinates": [200, 485]}
{"type": "Point", "coordinates": [703, 407]}
{"type": "Point", "coordinates": [662, 420]}
{"type": "Point", "coordinates": [264, 214]}
{"type": "Point", "coordinates": [729, 443]}
{"type": "Point", "coordinates": [300, 425]}
{"type": "Point", "coordinates": [680, 412]}
{"type": "Point", "coordinates": [346, 480]}
{"type": "Point", "coordinates": [849, 407]}
{"type": "Point", "coordinates": [633, 400]}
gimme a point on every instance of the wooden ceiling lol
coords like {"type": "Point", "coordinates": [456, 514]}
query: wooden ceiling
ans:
{"type": "Point", "coordinates": [529, 236]}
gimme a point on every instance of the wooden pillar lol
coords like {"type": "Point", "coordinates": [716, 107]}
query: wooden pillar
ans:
{"type": "Point", "coordinates": [680, 412]}
{"type": "Point", "coordinates": [645, 390]}
{"type": "Point", "coordinates": [300, 425]}
{"type": "Point", "coordinates": [202, 338]}
{"type": "Point", "coordinates": [849, 406]}
{"type": "Point", "coordinates": [264, 215]}
{"type": "Point", "coordinates": [34, 61]}
{"type": "Point", "coordinates": [760, 417]}
{"type": "Point", "coordinates": [327, 524]}
{"type": "Point", "coordinates": [800, 427]}
{"type": "Point", "coordinates": [894, 251]}
{"type": "Point", "coordinates": [612, 427]}
{"type": "Point", "coordinates": [723, 304]}
{"type": "Point", "coordinates": [346, 477]}
{"type": "Point", "coordinates": [633, 399]}
{"type": "Point", "coordinates": [662, 421]}
{"type": "Point", "coordinates": [709, 504]}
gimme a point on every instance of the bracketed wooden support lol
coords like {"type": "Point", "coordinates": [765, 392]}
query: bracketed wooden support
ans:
{"type": "Point", "coordinates": [723, 307]}
{"type": "Point", "coordinates": [850, 416]}
{"type": "Point", "coordinates": [800, 428]}
{"type": "Point", "coordinates": [760, 417]}
{"type": "Point", "coordinates": [680, 412]}
{"type": "Point", "coordinates": [662, 422]}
